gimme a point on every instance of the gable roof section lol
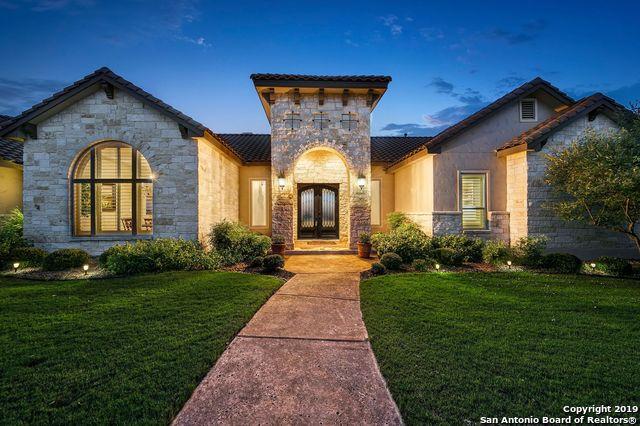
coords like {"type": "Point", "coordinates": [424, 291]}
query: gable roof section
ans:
{"type": "Point", "coordinates": [100, 76]}
{"type": "Point", "coordinates": [256, 148]}
{"type": "Point", "coordinates": [522, 91]}
{"type": "Point", "coordinates": [534, 137]}
{"type": "Point", "coordinates": [11, 150]}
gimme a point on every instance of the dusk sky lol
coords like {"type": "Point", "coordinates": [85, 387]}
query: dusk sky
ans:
{"type": "Point", "coordinates": [447, 59]}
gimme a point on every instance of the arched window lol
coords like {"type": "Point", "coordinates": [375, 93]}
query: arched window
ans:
{"type": "Point", "coordinates": [112, 191]}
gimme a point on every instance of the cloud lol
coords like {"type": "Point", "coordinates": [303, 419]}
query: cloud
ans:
{"type": "Point", "coordinates": [624, 95]}
{"type": "Point", "coordinates": [391, 22]}
{"type": "Point", "coordinates": [431, 34]}
{"type": "Point", "coordinates": [441, 85]}
{"type": "Point", "coordinates": [451, 115]}
{"type": "Point", "coordinates": [410, 129]}
{"type": "Point", "coordinates": [200, 41]}
{"type": "Point", "coordinates": [46, 5]}
{"type": "Point", "coordinates": [528, 32]}
{"type": "Point", "coordinates": [468, 96]}
{"type": "Point", "coordinates": [18, 95]}
{"type": "Point", "coordinates": [349, 39]}
{"type": "Point", "coordinates": [510, 82]}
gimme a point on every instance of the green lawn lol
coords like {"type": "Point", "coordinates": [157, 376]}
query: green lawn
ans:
{"type": "Point", "coordinates": [116, 351]}
{"type": "Point", "coordinates": [455, 347]}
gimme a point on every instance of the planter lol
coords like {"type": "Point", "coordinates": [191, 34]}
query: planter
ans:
{"type": "Point", "coordinates": [364, 250]}
{"type": "Point", "coordinates": [278, 249]}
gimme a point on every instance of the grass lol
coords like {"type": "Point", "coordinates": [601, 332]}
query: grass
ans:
{"type": "Point", "coordinates": [455, 347]}
{"type": "Point", "coordinates": [128, 350]}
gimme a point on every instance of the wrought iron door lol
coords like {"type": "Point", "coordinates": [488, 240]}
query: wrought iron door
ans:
{"type": "Point", "coordinates": [318, 211]}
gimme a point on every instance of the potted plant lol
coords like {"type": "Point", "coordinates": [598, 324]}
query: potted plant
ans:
{"type": "Point", "coordinates": [364, 245]}
{"type": "Point", "coordinates": [277, 245]}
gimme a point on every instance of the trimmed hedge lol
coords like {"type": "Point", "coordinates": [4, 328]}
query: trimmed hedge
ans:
{"type": "Point", "coordinates": [62, 259]}
{"type": "Point", "coordinates": [391, 261]}
{"type": "Point", "coordinates": [447, 256]}
{"type": "Point", "coordinates": [613, 266]}
{"type": "Point", "coordinates": [424, 265]}
{"type": "Point", "coordinates": [29, 256]}
{"type": "Point", "coordinates": [469, 248]}
{"type": "Point", "coordinates": [496, 252]}
{"type": "Point", "coordinates": [235, 243]}
{"type": "Point", "coordinates": [561, 263]}
{"type": "Point", "coordinates": [158, 255]}
{"type": "Point", "coordinates": [378, 269]}
{"type": "Point", "coordinates": [273, 262]}
{"type": "Point", "coordinates": [406, 240]}
{"type": "Point", "coordinates": [10, 235]}
{"type": "Point", "coordinates": [529, 251]}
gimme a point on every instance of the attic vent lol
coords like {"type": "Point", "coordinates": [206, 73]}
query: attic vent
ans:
{"type": "Point", "coordinates": [528, 110]}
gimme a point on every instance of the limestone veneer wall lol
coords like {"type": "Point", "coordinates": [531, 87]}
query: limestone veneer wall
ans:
{"type": "Point", "coordinates": [288, 145]}
{"type": "Point", "coordinates": [10, 187]}
{"type": "Point", "coordinates": [583, 240]}
{"type": "Point", "coordinates": [218, 187]}
{"type": "Point", "coordinates": [95, 118]}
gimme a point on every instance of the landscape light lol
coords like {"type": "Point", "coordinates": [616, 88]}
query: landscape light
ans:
{"type": "Point", "coordinates": [15, 267]}
{"type": "Point", "coordinates": [85, 268]}
{"type": "Point", "coordinates": [593, 265]}
{"type": "Point", "coordinates": [437, 266]}
{"type": "Point", "coordinates": [509, 264]}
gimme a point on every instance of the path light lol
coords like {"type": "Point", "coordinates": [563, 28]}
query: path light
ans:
{"type": "Point", "coordinates": [593, 265]}
{"type": "Point", "coordinates": [437, 266]}
{"type": "Point", "coordinates": [362, 181]}
{"type": "Point", "coordinates": [15, 267]}
{"type": "Point", "coordinates": [85, 268]}
{"type": "Point", "coordinates": [509, 264]}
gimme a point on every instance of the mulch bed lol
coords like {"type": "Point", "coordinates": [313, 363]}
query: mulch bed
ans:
{"type": "Point", "coordinates": [245, 268]}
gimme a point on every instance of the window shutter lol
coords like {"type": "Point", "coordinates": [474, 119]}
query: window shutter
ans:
{"type": "Point", "coordinates": [528, 110]}
{"type": "Point", "coordinates": [472, 197]}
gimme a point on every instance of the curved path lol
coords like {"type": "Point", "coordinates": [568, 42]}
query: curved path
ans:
{"type": "Point", "coordinates": [304, 358]}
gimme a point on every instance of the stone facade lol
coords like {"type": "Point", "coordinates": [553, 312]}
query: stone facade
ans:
{"type": "Point", "coordinates": [289, 145]}
{"type": "Point", "coordinates": [62, 137]}
{"type": "Point", "coordinates": [580, 239]}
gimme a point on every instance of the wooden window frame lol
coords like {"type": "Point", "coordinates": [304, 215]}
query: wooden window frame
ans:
{"type": "Point", "coordinates": [93, 181]}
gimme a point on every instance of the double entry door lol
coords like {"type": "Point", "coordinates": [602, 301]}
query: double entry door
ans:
{"type": "Point", "coordinates": [318, 211]}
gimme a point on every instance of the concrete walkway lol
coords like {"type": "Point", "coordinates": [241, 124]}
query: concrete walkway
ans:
{"type": "Point", "coordinates": [304, 358]}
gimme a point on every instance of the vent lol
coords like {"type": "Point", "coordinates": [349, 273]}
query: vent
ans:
{"type": "Point", "coordinates": [528, 110]}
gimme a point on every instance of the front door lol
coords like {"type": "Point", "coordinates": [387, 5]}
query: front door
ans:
{"type": "Point", "coordinates": [318, 211]}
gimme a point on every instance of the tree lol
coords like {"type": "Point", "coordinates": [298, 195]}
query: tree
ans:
{"type": "Point", "coordinates": [596, 180]}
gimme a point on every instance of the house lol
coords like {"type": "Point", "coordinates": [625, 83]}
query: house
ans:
{"type": "Point", "coordinates": [106, 162]}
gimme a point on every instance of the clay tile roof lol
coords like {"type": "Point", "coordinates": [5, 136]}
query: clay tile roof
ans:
{"type": "Point", "coordinates": [103, 74]}
{"type": "Point", "coordinates": [524, 90]}
{"type": "Point", "coordinates": [256, 148]}
{"type": "Point", "coordinates": [336, 78]}
{"type": "Point", "coordinates": [545, 128]}
{"type": "Point", "coordinates": [11, 150]}
{"type": "Point", "coordinates": [250, 147]}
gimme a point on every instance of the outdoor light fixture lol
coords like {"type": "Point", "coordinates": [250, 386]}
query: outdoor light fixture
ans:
{"type": "Point", "coordinates": [437, 266]}
{"type": "Point", "coordinates": [362, 182]}
{"type": "Point", "coordinates": [509, 264]}
{"type": "Point", "coordinates": [15, 267]}
{"type": "Point", "coordinates": [593, 265]}
{"type": "Point", "coordinates": [281, 182]}
{"type": "Point", "coordinates": [85, 268]}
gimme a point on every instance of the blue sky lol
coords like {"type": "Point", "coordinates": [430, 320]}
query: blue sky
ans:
{"type": "Point", "coordinates": [447, 58]}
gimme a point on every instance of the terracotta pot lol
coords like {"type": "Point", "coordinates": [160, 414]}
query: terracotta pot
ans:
{"type": "Point", "coordinates": [278, 249]}
{"type": "Point", "coordinates": [364, 250]}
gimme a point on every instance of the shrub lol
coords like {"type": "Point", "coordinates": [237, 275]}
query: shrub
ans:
{"type": "Point", "coordinates": [613, 266]}
{"type": "Point", "coordinates": [396, 219]}
{"type": "Point", "coordinates": [378, 269]}
{"type": "Point", "coordinates": [424, 265]}
{"type": "Point", "coordinates": [469, 248]}
{"type": "Point", "coordinates": [158, 255]}
{"type": "Point", "coordinates": [365, 238]}
{"type": "Point", "coordinates": [391, 261]}
{"type": "Point", "coordinates": [447, 256]}
{"type": "Point", "coordinates": [277, 239]}
{"type": "Point", "coordinates": [562, 263]}
{"type": "Point", "coordinates": [528, 251]}
{"type": "Point", "coordinates": [407, 240]}
{"type": "Point", "coordinates": [257, 262]}
{"type": "Point", "coordinates": [62, 259]}
{"type": "Point", "coordinates": [236, 243]}
{"type": "Point", "coordinates": [273, 262]}
{"type": "Point", "coordinates": [10, 235]}
{"type": "Point", "coordinates": [28, 256]}
{"type": "Point", "coordinates": [495, 252]}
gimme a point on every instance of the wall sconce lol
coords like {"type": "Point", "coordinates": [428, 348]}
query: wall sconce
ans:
{"type": "Point", "coordinates": [281, 182]}
{"type": "Point", "coordinates": [362, 181]}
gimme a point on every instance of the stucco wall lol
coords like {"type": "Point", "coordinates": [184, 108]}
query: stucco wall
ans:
{"type": "Point", "coordinates": [10, 186]}
{"type": "Point", "coordinates": [582, 240]}
{"type": "Point", "coordinates": [387, 196]}
{"type": "Point", "coordinates": [63, 136]}
{"type": "Point", "coordinates": [288, 145]}
{"type": "Point", "coordinates": [218, 187]}
{"type": "Point", "coordinates": [248, 173]}
{"type": "Point", "coordinates": [474, 150]}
